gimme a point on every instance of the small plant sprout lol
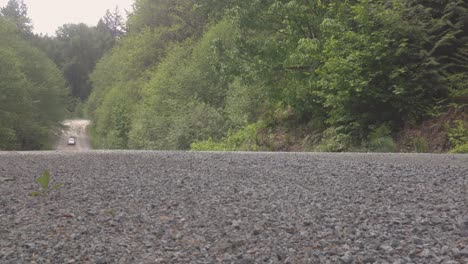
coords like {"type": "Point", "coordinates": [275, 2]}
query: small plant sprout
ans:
{"type": "Point", "coordinates": [111, 212]}
{"type": "Point", "coordinates": [44, 182]}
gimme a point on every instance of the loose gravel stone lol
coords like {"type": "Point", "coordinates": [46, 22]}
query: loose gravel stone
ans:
{"type": "Point", "coordinates": [347, 258]}
{"type": "Point", "coordinates": [187, 207]}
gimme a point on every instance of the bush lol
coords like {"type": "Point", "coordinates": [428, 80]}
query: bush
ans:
{"type": "Point", "coordinates": [380, 140]}
{"type": "Point", "coordinates": [460, 149]}
{"type": "Point", "coordinates": [242, 140]}
{"type": "Point", "coordinates": [334, 141]}
{"type": "Point", "coordinates": [420, 145]}
{"type": "Point", "coordinates": [458, 135]}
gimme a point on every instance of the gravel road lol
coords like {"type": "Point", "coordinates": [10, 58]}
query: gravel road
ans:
{"type": "Point", "coordinates": [77, 129]}
{"type": "Point", "coordinates": [186, 207]}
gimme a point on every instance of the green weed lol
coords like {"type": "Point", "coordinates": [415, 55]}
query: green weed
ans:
{"type": "Point", "coordinates": [420, 145]}
{"type": "Point", "coordinates": [44, 184]}
{"type": "Point", "coordinates": [111, 212]}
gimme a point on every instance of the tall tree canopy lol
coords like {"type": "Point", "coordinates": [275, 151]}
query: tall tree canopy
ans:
{"type": "Point", "coordinates": [75, 49]}
{"type": "Point", "coordinates": [16, 12]}
{"type": "Point", "coordinates": [114, 23]}
{"type": "Point", "coordinates": [80, 46]}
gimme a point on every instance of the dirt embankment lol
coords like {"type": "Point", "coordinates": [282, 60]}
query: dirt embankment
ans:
{"type": "Point", "coordinates": [433, 132]}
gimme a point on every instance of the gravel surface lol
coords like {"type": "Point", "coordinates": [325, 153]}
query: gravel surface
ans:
{"type": "Point", "coordinates": [183, 207]}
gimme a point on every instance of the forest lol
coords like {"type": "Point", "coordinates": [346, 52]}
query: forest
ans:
{"type": "Point", "coordinates": [43, 79]}
{"type": "Point", "coordinates": [259, 75]}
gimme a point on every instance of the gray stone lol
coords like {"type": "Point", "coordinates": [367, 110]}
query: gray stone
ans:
{"type": "Point", "coordinates": [347, 258]}
{"type": "Point", "coordinates": [462, 254]}
{"type": "Point", "coordinates": [395, 243]}
{"type": "Point", "coordinates": [6, 179]}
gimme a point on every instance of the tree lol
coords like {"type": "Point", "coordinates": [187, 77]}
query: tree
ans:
{"type": "Point", "coordinates": [114, 23]}
{"type": "Point", "coordinates": [16, 11]}
{"type": "Point", "coordinates": [80, 48]}
{"type": "Point", "coordinates": [33, 93]}
{"type": "Point", "coordinates": [77, 47]}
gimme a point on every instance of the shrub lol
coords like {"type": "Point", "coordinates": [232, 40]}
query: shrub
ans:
{"type": "Point", "coordinates": [460, 149]}
{"type": "Point", "coordinates": [334, 141]}
{"type": "Point", "coordinates": [420, 145]}
{"type": "Point", "coordinates": [380, 140]}
{"type": "Point", "coordinates": [458, 135]}
{"type": "Point", "coordinates": [242, 140]}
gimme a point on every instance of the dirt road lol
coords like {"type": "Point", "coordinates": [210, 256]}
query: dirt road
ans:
{"type": "Point", "coordinates": [77, 129]}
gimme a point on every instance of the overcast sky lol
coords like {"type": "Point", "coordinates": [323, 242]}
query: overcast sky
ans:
{"type": "Point", "coordinates": [48, 15]}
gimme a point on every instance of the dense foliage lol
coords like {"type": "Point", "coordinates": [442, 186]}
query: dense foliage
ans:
{"type": "Point", "coordinates": [36, 70]}
{"type": "Point", "coordinates": [240, 75]}
{"type": "Point", "coordinates": [76, 48]}
{"type": "Point", "coordinates": [224, 74]}
{"type": "Point", "coordinates": [33, 93]}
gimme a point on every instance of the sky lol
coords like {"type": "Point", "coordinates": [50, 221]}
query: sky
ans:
{"type": "Point", "coordinates": [48, 15]}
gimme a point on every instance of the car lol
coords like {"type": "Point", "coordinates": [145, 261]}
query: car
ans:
{"type": "Point", "coordinates": [71, 141]}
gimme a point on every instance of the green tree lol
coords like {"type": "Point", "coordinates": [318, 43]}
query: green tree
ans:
{"type": "Point", "coordinates": [16, 12]}
{"type": "Point", "coordinates": [114, 23]}
{"type": "Point", "coordinates": [32, 93]}
{"type": "Point", "coordinates": [81, 46]}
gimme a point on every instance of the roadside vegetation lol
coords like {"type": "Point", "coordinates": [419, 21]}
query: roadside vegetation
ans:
{"type": "Point", "coordinates": [283, 75]}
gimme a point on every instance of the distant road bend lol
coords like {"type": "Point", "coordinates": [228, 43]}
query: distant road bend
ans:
{"type": "Point", "coordinates": [77, 129]}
